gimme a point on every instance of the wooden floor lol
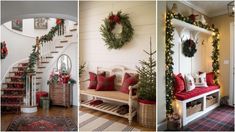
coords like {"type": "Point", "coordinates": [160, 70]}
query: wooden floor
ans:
{"type": "Point", "coordinates": [53, 111]}
{"type": "Point", "coordinates": [115, 118]}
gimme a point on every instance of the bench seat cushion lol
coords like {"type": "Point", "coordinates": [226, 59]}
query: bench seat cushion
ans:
{"type": "Point", "coordinates": [195, 92]}
{"type": "Point", "coordinates": [116, 95]}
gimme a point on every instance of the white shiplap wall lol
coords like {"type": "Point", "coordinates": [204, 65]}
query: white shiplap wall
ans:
{"type": "Point", "coordinates": [92, 48]}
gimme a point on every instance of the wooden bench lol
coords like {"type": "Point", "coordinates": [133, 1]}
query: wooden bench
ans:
{"type": "Point", "coordinates": [180, 106]}
{"type": "Point", "coordinates": [113, 96]}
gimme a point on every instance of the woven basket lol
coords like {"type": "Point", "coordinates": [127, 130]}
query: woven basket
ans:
{"type": "Point", "coordinates": [196, 108]}
{"type": "Point", "coordinates": [147, 115]}
{"type": "Point", "coordinates": [211, 101]}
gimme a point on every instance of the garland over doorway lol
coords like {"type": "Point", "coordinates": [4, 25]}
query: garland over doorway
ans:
{"type": "Point", "coordinates": [169, 52]}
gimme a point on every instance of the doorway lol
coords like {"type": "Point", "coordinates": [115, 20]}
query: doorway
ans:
{"type": "Point", "coordinates": [232, 66]}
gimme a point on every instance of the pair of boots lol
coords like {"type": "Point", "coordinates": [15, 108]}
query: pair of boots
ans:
{"type": "Point", "coordinates": [123, 109]}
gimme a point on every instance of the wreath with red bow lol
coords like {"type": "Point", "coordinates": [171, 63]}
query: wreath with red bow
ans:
{"type": "Point", "coordinates": [189, 48]}
{"type": "Point", "coordinates": [115, 40]}
{"type": "Point", "coordinates": [4, 50]}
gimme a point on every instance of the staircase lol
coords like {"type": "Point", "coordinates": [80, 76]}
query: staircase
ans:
{"type": "Point", "coordinates": [13, 90]}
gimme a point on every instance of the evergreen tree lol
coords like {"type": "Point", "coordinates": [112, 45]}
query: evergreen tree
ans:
{"type": "Point", "coordinates": [147, 74]}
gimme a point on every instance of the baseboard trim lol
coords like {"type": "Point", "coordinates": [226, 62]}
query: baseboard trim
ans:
{"type": "Point", "coordinates": [162, 126]}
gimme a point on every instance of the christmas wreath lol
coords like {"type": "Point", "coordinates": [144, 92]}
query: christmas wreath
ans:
{"type": "Point", "coordinates": [189, 48]}
{"type": "Point", "coordinates": [116, 30]}
{"type": "Point", "coordinates": [4, 50]}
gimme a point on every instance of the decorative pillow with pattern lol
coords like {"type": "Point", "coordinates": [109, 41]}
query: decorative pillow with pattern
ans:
{"type": "Point", "coordinates": [200, 80]}
{"type": "Point", "coordinates": [189, 80]}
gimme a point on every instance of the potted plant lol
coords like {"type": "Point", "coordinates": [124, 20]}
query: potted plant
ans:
{"type": "Point", "coordinates": [146, 91]}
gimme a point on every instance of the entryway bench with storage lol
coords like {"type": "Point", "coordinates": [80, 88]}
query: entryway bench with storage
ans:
{"type": "Point", "coordinates": [112, 96]}
{"type": "Point", "coordinates": [193, 104]}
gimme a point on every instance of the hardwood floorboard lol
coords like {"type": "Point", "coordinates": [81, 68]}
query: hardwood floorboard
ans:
{"type": "Point", "coordinates": [71, 112]}
{"type": "Point", "coordinates": [114, 118]}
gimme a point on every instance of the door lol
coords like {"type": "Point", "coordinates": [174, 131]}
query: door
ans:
{"type": "Point", "coordinates": [232, 66]}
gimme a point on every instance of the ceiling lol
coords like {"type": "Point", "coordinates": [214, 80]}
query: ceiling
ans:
{"type": "Point", "coordinates": [208, 8]}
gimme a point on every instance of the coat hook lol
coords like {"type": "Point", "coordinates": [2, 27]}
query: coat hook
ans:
{"type": "Point", "coordinates": [202, 42]}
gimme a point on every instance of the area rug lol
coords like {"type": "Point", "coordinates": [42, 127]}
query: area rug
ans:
{"type": "Point", "coordinates": [42, 123]}
{"type": "Point", "coordinates": [220, 119]}
{"type": "Point", "coordinates": [89, 122]}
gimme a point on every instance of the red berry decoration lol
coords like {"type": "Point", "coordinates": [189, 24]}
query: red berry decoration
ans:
{"type": "Point", "coordinates": [4, 50]}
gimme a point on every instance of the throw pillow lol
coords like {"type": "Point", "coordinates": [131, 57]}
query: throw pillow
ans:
{"type": "Point", "coordinates": [93, 79]}
{"type": "Point", "coordinates": [209, 78]}
{"type": "Point", "coordinates": [105, 83]}
{"type": "Point", "coordinates": [179, 84]}
{"type": "Point", "coordinates": [189, 82]}
{"type": "Point", "coordinates": [128, 81]}
{"type": "Point", "coordinates": [200, 80]}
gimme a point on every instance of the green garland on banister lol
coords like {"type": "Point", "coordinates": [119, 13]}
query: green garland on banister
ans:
{"type": "Point", "coordinates": [34, 56]}
{"type": "Point", "coordinates": [169, 52]}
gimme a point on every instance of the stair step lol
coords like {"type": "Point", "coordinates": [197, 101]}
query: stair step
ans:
{"type": "Point", "coordinates": [16, 71]}
{"type": "Point", "coordinates": [39, 72]}
{"type": "Point", "coordinates": [44, 62]}
{"type": "Point", "coordinates": [75, 24]}
{"type": "Point", "coordinates": [41, 67]}
{"type": "Point", "coordinates": [64, 41]}
{"type": "Point", "coordinates": [68, 36]}
{"type": "Point", "coordinates": [20, 67]}
{"type": "Point", "coordinates": [73, 29]}
{"type": "Point", "coordinates": [16, 77]}
{"type": "Point", "coordinates": [49, 57]}
{"type": "Point", "coordinates": [12, 89]}
{"type": "Point", "coordinates": [54, 52]}
{"type": "Point", "coordinates": [59, 46]}
{"type": "Point", "coordinates": [12, 96]}
{"type": "Point", "coordinates": [13, 83]}
{"type": "Point", "coordinates": [10, 104]}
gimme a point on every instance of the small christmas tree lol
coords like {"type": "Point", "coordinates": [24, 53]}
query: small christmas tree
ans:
{"type": "Point", "coordinates": [147, 74]}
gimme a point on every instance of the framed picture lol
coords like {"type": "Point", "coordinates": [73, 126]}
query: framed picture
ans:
{"type": "Point", "coordinates": [17, 24]}
{"type": "Point", "coordinates": [40, 23]}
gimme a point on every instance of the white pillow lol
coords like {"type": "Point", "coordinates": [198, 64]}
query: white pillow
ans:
{"type": "Point", "coordinates": [200, 80]}
{"type": "Point", "coordinates": [189, 80]}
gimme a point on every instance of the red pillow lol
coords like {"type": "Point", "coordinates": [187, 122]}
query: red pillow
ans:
{"type": "Point", "coordinates": [105, 83]}
{"type": "Point", "coordinates": [209, 78]}
{"type": "Point", "coordinates": [93, 79]}
{"type": "Point", "coordinates": [128, 81]}
{"type": "Point", "coordinates": [179, 84]}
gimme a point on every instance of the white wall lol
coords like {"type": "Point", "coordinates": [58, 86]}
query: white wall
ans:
{"type": "Point", "coordinates": [201, 61]}
{"type": "Point", "coordinates": [19, 47]}
{"type": "Point", "coordinates": [28, 27]}
{"type": "Point", "coordinates": [92, 48]}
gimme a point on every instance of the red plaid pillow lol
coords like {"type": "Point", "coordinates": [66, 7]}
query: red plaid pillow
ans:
{"type": "Point", "coordinates": [105, 83]}
{"type": "Point", "coordinates": [128, 81]}
{"type": "Point", "coordinates": [93, 79]}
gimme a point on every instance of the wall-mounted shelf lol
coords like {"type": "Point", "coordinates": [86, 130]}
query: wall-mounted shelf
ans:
{"type": "Point", "coordinates": [195, 30]}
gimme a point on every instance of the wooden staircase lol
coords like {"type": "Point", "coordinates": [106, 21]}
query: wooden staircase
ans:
{"type": "Point", "coordinates": [13, 89]}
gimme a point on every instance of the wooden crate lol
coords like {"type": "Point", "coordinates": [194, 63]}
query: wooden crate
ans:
{"type": "Point", "coordinates": [194, 109]}
{"type": "Point", "coordinates": [61, 94]}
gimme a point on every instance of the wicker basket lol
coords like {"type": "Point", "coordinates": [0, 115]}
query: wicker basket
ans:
{"type": "Point", "coordinates": [194, 109]}
{"type": "Point", "coordinates": [147, 115]}
{"type": "Point", "coordinates": [210, 101]}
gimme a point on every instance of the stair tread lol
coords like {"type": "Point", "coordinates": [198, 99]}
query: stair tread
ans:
{"type": "Point", "coordinates": [11, 104]}
{"type": "Point", "coordinates": [21, 77]}
{"type": "Point", "coordinates": [59, 46]}
{"type": "Point", "coordinates": [13, 83]}
{"type": "Point", "coordinates": [64, 41]}
{"type": "Point", "coordinates": [20, 67]}
{"type": "Point", "coordinates": [41, 67]}
{"type": "Point", "coordinates": [69, 35]}
{"type": "Point", "coordinates": [12, 96]}
{"type": "Point", "coordinates": [49, 57]}
{"type": "Point", "coordinates": [12, 89]}
{"type": "Point", "coordinates": [74, 29]}
{"type": "Point", "coordinates": [15, 71]}
{"type": "Point", "coordinates": [54, 52]}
